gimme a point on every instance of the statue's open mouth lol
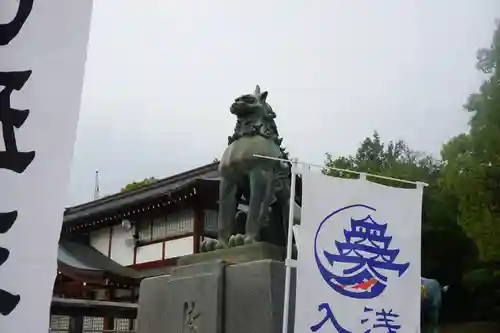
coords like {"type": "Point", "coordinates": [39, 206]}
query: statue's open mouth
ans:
{"type": "Point", "coordinates": [239, 104]}
{"type": "Point", "coordinates": [240, 108]}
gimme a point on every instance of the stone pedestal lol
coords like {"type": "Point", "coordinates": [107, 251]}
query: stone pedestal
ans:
{"type": "Point", "coordinates": [216, 297]}
{"type": "Point", "coordinates": [236, 255]}
{"type": "Point", "coordinates": [187, 301]}
{"type": "Point", "coordinates": [254, 294]}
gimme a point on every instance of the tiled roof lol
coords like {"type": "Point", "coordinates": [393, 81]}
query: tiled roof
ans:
{"type": "Point", "coordinates": [144, 193]}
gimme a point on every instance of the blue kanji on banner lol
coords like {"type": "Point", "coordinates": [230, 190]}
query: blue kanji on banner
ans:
{"type": "Point", "coordinates": [366, 249]}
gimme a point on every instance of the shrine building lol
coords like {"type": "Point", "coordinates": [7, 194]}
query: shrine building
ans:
{"type": "Point", "coordinates": [107, 246]}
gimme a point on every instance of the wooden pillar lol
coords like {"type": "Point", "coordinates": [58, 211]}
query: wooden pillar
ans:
{"type": "Point", "coordinates": [110, 241]}
{"type": "Point", "coordinates": [75, 324]}
{"type": "Point", "coordinates": [131, 324]}
{"type": "Point", "coordinates": [109, 322]}
{"type": "Point", "coordinates": [199, 221]}
{"type": "Point", "coordinates": [198, 225]}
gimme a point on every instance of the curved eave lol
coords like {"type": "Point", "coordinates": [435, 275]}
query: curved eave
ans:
{"type": "Point", "coordinates": [94, 276]}
{"type": "Point", "coordinates": [83, 262]}
{"type": "Point", "coordinates": [88, 275]}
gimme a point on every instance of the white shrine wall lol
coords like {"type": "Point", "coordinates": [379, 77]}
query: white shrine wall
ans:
{"type": "Point", "coordinates": [148, 253]}
{"type": "Point", "coordinates": [122, 251]}
{"type": "Point", "coordinates": [99, 240]}
{"type": "Point", "coordinates": [179, 247]}
{"type": "Point", "coordinates": [116, 242]}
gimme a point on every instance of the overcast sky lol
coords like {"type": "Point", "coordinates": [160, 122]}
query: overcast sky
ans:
{"type": "Point", "coordinates": [161, 75]}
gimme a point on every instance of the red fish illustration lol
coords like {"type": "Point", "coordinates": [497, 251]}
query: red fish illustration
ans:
{"type": "Point", "coordinates": [363, 285]}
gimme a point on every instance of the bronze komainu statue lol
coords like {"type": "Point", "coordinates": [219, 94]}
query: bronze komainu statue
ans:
{"type": "Point", "coordinates": [265, 183]}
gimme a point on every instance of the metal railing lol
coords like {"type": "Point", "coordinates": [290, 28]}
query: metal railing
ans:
{"type": "Point", "coordinates": [62, 324]}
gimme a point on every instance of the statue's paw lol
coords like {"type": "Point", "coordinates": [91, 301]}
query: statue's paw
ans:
{"type": "Point", "coordinates": [239, 239]}
{"type": "Point", "coordinates": [249, 240]}
{"type": "Point", "coordinates": [218, 245]}
{"type": "Point", "coordinates": [208, 245]}
{"type": "Point", "coordinates": [203, 246]}
{"type": "Point", "coordinates": [232, 241]}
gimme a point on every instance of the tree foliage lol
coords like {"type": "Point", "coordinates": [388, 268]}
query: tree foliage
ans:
{"type": "Point", "coordinates": [472, 160]}
{"type": "Point", "coordinates": [134, 185]}
{"type": "Point", "coordinates": [395, 159]}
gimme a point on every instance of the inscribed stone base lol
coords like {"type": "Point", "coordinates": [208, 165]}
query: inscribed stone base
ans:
{"type": "Point", "coordinates": [190, 300]}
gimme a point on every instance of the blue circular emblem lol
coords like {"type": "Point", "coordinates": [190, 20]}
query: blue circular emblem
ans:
{"type": "Point", "coordinates": [357, 265]}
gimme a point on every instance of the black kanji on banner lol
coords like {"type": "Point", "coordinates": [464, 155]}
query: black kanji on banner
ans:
{"type": "Point", "coordinates": [8, 301]}
{"type": "Point", "coordinates": [9, 31]}
{"type": "Point", "coordinates": [11, 158]}
{"type": "Point", "coordinates": [6, 222]}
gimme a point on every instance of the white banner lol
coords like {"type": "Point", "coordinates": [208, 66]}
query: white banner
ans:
{"type": "Point", "coordinates": [359, 261]}
{"type": "Point", "coordinates": [43, 46]}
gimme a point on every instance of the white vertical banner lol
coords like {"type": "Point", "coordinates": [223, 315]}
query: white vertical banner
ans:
{"type": "Point", "coordinates": [358, 268]}
{"type": "Point", "coordinates": [43, 48]}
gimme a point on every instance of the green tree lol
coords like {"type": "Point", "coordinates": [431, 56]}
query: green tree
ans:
{"type": "Point", "coordinates": [134, 185]}
{"type": "Point", "coordinates": [472, 160]}
{"type": "Point", "coordinates": [395, 160]}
